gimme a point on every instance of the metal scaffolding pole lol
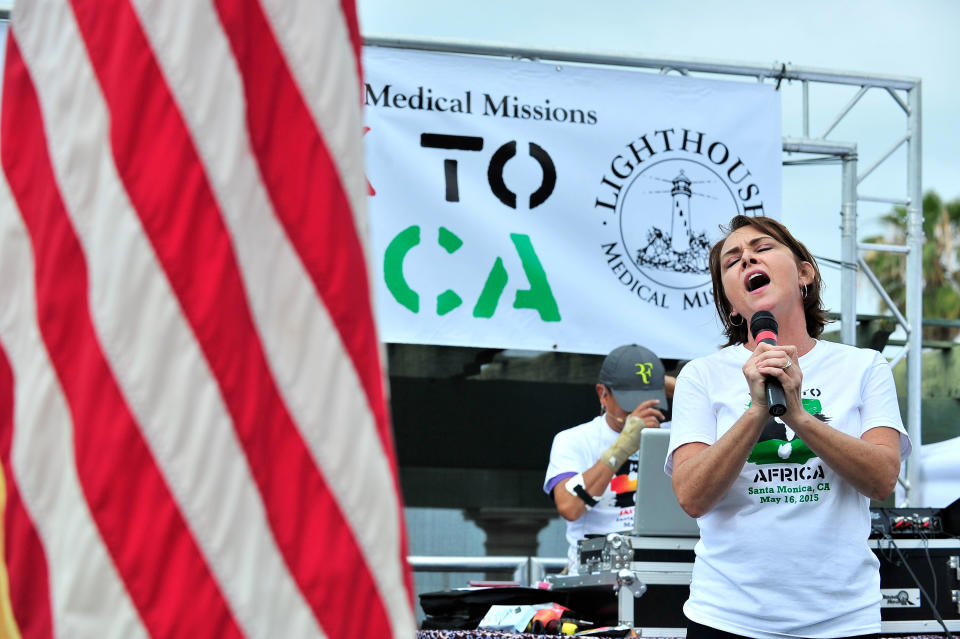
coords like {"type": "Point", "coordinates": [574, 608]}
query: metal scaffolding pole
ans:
{"type": "Point", "coordinates": [914, 490]}
{"type": "Point", "coordinates": [848, 251]}
{"type": "Point", "coordinates": [776, 71]}
{"type": "Point", "coordinates": [847, 152]}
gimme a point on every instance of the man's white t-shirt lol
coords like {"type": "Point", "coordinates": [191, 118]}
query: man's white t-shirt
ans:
{"type": "Point", "coordinates": [574, 451]}
{"type": "Point", "coordinates": [784, 553]}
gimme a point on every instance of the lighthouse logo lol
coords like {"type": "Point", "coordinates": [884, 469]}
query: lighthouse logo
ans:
{"type": "Point", "coordinates": [665, 195]}
{"type": "Point", "coordinates": [665, 215]}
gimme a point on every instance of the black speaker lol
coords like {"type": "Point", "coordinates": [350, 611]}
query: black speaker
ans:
{"type": "Point", "coordinates": [950, 518]}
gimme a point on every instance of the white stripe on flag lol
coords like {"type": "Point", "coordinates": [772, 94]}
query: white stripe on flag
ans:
{"type": "Point", "coordinates": [43, 460]}
{"type": "Point", "coordinates": [332, 90]}
{"type": "Point", "coordinates": [307, 358]}
{"type": "Point", "coordinates": [153, 352]}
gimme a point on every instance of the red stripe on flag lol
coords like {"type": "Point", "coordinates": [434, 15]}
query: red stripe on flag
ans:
{"type": "Point", "coordinates": [22, 550]}
{"type": "Point", "coordinates": [164, 572]}
{"type": "Point", "coordinates": [165, 180]}
{"type": "Point", "coordinates": [304, 187]}
{"type": "Point", "coordinates": [310, 201]}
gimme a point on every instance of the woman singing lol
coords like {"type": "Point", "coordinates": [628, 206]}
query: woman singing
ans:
{"type": "Point", "coordinates": [783, 503]}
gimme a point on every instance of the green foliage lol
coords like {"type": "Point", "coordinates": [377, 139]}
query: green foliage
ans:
{"type": "Point", "coordinates": [941, 262]}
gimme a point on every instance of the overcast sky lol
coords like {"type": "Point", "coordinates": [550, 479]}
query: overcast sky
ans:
{"type": "Point", "coordinates": [918, 39]}
{"type": "Point", "coordinates": [878, 37]}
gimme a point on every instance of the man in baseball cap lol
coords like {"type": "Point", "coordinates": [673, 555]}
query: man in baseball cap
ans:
{"type": "Point", "coordinates": [635, 375]}
{"type": "Point", "coordinates": [592, 474]}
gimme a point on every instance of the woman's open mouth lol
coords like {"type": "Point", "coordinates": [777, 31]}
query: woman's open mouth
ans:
{"type": "Point", "coordinates": [757, 280]}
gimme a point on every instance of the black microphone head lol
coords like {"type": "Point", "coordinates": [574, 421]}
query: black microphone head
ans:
{"type": "Point", "coordinates": [763, 321]}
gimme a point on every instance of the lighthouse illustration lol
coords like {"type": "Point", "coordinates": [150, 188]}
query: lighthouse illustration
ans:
{"type": "Point", "coordinates": [680, 234]}
{"type": "Point", "coordinates": [682, 249]}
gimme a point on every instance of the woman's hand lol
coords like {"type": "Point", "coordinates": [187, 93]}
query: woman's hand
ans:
{"type": "Point", "coordinates": [780, 363]}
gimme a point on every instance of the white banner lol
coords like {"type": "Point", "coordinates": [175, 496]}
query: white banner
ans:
{"type": "Point", "coordinates": [517, 204]}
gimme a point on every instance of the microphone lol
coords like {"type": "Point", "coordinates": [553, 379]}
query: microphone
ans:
{"type": "Point", "coordinates": [763, 326]}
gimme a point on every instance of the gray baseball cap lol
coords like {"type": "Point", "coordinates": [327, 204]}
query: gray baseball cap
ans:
{"type": "Point", "coordinates": [634, 374]}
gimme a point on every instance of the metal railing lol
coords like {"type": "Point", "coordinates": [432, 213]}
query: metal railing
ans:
{"type": "Point", "coordinates": [527, 571]}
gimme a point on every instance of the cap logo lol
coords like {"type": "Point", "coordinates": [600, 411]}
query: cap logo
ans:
{"type": "Point", "coordinates": [644, 370]}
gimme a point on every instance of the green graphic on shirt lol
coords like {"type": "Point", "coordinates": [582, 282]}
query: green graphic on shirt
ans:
{"type": "Point", "coordinates": [779, 451]}
{"type": "Point", "coordinates": [813, 407]}
{"type": "Point", "coordinates": [773, 447]}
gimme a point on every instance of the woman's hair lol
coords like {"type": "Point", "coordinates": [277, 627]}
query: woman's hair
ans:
{"type": "Point", "coordinates": [812, 303]}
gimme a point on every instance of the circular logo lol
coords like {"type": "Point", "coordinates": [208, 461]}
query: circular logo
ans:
{"type": "Point", "coordinates": [669, 217]}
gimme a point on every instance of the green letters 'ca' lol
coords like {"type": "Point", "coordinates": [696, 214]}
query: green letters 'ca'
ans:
{"type": "Point", "coordinates": [539, 297]}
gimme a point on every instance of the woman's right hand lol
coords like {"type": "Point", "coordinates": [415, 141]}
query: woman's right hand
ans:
{"type": "Point", "coordinates": [769, 361]}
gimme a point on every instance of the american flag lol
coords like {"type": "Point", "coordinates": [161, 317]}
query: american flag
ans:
{"type": "Point", "coordinates": [193, 427]}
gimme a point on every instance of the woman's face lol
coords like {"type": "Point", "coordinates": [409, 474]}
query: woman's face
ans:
{"type": "Point", "coordinates": [760, 273]}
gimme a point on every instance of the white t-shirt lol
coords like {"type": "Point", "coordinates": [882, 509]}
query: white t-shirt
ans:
{"type": "Point", "coordinates": [577, 449]}
{"type": "Point", "coordinates": [784, 553]}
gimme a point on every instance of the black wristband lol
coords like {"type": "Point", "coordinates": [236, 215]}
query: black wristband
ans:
{"type": "Point", "coordinates": [587, 498]}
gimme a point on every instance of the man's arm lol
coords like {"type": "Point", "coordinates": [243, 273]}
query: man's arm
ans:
{"type": "Point", "coordinates": [595, 480]}
{"type": "Point", "coordinates": [597, 477]}
{"type": "Point", "coordinates": [669, 384]}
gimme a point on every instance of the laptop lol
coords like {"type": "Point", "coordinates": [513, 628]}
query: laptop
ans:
{"type": "Point", "coordinates": [657, 513]}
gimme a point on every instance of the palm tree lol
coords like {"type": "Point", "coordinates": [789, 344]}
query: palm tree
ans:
{"type": "Point", "coordinates": [941, 262]}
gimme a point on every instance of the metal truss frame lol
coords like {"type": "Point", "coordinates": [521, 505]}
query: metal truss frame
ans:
{"type": "Point", "coordinates": [904, 91]}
